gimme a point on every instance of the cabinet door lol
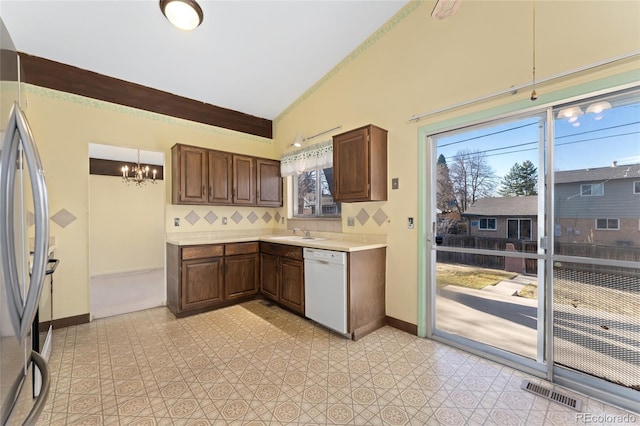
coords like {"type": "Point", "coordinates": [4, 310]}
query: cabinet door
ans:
{"type": "Point", "coordinates": [269, 183]}
{"type": "Point", "coordinates": [201, 283]}
{"type": "Point", "coordinates": [220, 178]}
{"type": "Point", "coordinates": [241, 274]}
{"type": "Point", "coordinates": [269, 275]}
{"type": "Point", "coordinates": [292, 284]}
{"type": "Point", "coordinates": [191, 176]}
{"type": "Point", "coordinates": [351, 165]}
{"type": "Point", "coordinates": [244, 180]}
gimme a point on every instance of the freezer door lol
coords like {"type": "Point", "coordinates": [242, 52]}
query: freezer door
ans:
{"type": "Point", "coordinates": [18, 153]}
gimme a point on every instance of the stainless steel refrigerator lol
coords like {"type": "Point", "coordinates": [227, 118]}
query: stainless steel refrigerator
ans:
{"type": "Point", "coordinates": [24, 228]}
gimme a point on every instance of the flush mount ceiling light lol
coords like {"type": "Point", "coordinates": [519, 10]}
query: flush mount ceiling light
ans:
{"type": "Point", "coordinates": [184, 14]}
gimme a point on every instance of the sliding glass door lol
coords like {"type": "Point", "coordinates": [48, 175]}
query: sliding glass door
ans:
{"type": "Point", "coordinates": [596, 238]}
{"type": "Point", "coordinates": [535, 240]}
{"type": "Point", "coordinates": [487, 197]}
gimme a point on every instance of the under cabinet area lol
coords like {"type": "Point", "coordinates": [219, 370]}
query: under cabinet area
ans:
{"type": "Point", "coordinates": [282, 275]}
{"type": "Point", "coordinates": [211, 177]}
{"type": "Point", "coordinates": [360, 165]}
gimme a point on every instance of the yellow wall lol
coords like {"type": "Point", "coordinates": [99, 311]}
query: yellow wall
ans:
{"type": "Point", "coordinates": [126, 226]}
{"type": "Point", "coordinates": [411, 65]}
{"type": "Point", "coordinates": [415, 64]}
{"type": "Point", "coordinates": [64, 125]}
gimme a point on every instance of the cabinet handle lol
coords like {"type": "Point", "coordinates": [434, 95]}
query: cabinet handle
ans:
{"type": "Point", "coordinates": [210, 193]}
{"type": "Point", "coordinates": [203, 190]}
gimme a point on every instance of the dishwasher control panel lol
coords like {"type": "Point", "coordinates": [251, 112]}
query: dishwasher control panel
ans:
{"type": "Point", "coordinates": [337, 257]}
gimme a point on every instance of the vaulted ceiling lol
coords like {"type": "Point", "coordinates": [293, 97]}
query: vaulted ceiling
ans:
{"type": "Point", "coordinates": [255, 57]}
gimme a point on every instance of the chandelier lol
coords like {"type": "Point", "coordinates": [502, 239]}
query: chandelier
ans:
{"type": "Point", "coordinates": [138, 174]}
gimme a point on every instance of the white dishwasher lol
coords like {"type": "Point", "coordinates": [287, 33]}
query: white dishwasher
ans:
{"type": "Point", "coordinates": [325, 288]}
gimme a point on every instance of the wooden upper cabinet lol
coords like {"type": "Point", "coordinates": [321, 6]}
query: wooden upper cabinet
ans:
{"type": "Point", "coordinates": [360, 165]}
{"type": "Point", "coordinates": [244, 180]}
{"type": "Point", "coordinates": [189, 175]}
{"type": "Point", "coordinates": [220, 178]}
{"type": "Point", "coordinates": [268, 183]}
{"type": "Point", "coordinates": [206, 176]}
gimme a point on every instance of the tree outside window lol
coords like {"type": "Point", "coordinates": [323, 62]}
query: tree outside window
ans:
{"type": "Point", "coordinates": [313, 194]}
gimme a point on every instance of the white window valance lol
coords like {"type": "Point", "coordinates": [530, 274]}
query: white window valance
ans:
{"type": "Point", "coordinates": [316, 156]}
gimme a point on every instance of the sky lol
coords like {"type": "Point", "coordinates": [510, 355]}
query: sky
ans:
{"type": "Point", "coordinates": [589, 140]}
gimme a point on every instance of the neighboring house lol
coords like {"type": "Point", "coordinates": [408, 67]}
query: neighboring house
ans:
{"type": "Point", "coordinates": [504, 217]}
{"type": "Point", "coordinates": [598, 206]}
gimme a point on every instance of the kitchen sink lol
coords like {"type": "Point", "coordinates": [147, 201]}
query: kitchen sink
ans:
{"type": "Point", "coordinates": [295, 238]}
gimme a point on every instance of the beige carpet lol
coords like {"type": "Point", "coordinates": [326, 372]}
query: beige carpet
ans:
{"type": "Point", "coordinates": [117, 294]}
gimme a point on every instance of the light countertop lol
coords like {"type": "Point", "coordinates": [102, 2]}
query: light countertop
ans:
{"type": "Point", "coordinates": [319, 240]}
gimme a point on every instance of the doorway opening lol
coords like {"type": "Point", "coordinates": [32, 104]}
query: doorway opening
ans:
{"type": "Point", "coordinates": [126, 234]}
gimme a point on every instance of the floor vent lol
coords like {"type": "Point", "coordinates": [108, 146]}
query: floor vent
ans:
{"type": "Point", "coordinates": [565, 400]}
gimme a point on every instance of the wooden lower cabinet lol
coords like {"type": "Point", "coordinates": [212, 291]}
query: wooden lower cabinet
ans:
{"type": "Point", "coordinates": [241, 275]}
{"type": "Point", "coordinates": [282, 275]}
{"type": "Point", "coordinates": [202, 281]}
{"type": "Point", "coordinates": [292, 284]}
{"type": "Point", "coordinates": [210, 276]}
{"type": "Point", "coordinates": [204, 277]}
{"type": "Point", "coordinates": [366, 275]}
{"type": "Point", "coordinates": [269, 275]}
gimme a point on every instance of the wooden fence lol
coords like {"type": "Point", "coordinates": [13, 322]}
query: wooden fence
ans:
{"type": "Point", "coordinates": [531, 265]}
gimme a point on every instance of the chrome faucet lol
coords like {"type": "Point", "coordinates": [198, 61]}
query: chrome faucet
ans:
{"type": "Point", "coordinates": [307, 233]}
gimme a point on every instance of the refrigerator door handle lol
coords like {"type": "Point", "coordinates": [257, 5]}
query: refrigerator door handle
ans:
{"type": "Point", "coordinates": [25, 310]}
{"type": "Point", "coordinates": [8, 169]}
{"type": "Point", "coordinates": [38, 405]}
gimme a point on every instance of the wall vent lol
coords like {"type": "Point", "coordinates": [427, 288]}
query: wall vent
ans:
{"type": "Point", "coordinates": [560, 398]}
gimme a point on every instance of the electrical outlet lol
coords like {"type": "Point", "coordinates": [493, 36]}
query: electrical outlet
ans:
{"type": "Point", "coordinates": [224, 220]}
{"type": "Point", "coordinates": [410, 223]}
{"type": "Point", "coordinates": [176, 221]}
{"type": "Point", "coordinates": [351, 221]}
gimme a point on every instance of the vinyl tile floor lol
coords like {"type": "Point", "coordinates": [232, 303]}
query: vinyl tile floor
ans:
{"type": "Point", "coordinates": [254, 364]}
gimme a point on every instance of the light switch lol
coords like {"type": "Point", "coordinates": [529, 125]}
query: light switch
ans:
{"type": "Point", "coordinates": [410, 223]}
{"type": "Point", "coordinates": [351, 221]}
{"type": "Point", "coordinates": [176, 221]}
{"type": "Point", "coordinates": [395, 183]}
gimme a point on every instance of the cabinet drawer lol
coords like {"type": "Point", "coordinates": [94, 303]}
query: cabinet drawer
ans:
{"type": "Point", "coordinates": [200, 252]}
{"type": "Point", "coordinates": [291, 252]}
{"type": "Point", "coordinates": [283, 250]}
{"type": "Point", "coordinates": [269, 248]}
{"type": "Point", "coordinates": [241, 248]}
